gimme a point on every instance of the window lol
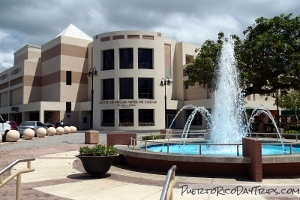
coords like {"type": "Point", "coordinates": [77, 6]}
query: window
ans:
{"type": "Point", "coordinates": [126, 58]}
{"type": "Point", "coordinates": [108, 60]}
{"type": "Point", "coordinates": [126, 117]}
{"type": "Point", "coordinates": [108, 117]}
{"type": "Point", "coordinates": [197, 119]}
{"type": "Point", "coordinates": [126, 88]}
{"type": "Point", "coordinates": [108, 89]}
{"type": "Point", "coordinates": [188, 59]}
{"type": "Point", "coordinates": [39, 124]}
{"type": "Point", "coordinates": [10, 97]}
{"type": "Point", "coordinates": [68, 77]}
{"type": "Point", "coordinates": [145, 88]}
{"type": "Point", "coordinates": [68, 107]}
{"type": "Point", "coordinates": [145, 58]}
{"type": "Point", "coordinates": [84, 120]}
{"type": "Point", "coordinates": [146, 117]}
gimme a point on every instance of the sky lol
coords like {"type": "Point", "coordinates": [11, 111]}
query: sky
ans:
{"type": "Point", "coordinates": [37, 22]}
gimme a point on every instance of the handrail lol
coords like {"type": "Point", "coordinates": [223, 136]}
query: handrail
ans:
{"type": "Point", "coordinates": [14, 163]}
{"type": "Point", "coordinates": [167, 192]}
{"type": "Point", "coordinates": [176, 142]}
{"type": "Point", "coordinates": [17, 173]}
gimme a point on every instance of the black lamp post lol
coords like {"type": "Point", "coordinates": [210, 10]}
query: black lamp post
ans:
{"type": "Point", "coordinates": [92, 72]}
{"type": "Point", "coordinates": [276, 96]}
{"type": "Point", "coordinates": [165, 82]}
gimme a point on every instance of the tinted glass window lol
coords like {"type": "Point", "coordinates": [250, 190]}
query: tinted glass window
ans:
{"type": "Point", "coordinates": [27, 124]}
{"type": "Point", "coordinates": [68, 107]}
{"type": "Point", "coordinates": [126, 88]}
{"type": "Point", "coordinates": [68, 77]}
{"type": "Point", "coordinates": [145, 58]}
{"type": "Point", "coordinates": [126, 58]}
{"type": "Point", "coordinates": [108, 117]}
{"type": "Point", "coordinates": [39, 124]}
{"type": "Point", "coordinates": [146, 117]}
{"type": "Point", "coordinates": [108, 89]}
{"type": "Point", "coordinates": [108, 60]}
{"type": "Point", "coordinates": [126, 117]}
{"type": "Point", "coordinates": [145, 88]}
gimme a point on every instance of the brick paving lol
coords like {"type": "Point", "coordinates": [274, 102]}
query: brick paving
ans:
{"type": "Point", "coordinates": [9, 152]}
{"type": "Point", "coordinates": [39, 147]}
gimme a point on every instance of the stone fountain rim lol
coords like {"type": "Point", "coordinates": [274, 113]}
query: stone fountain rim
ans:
{"type": "Point", "coordinates": [139, 153]}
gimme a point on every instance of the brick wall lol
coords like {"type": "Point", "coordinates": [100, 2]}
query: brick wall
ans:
{"type": "Point", "coordinates": [120, 138]}
{"type": "Point", "coordinates": [252, 148]}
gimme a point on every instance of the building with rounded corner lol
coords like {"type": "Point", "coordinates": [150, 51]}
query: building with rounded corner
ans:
{"type": "Point", "coordinates": [118, 74]}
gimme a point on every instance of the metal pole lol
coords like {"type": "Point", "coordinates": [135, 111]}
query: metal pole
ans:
{"type": "Point", "coordinates": [166, 118]}
{"type": "Point", "coordinates": [277, 109]}
{"type": "Point", "coordinates": [92, 102]}
{"type": "Point", "coordinates": [18, 187]}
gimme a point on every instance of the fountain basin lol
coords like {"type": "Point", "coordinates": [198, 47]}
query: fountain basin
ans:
{"type": "Point", "coordinates": [252, 165]}
{"type": "Point", "coordinates": [208, 149]}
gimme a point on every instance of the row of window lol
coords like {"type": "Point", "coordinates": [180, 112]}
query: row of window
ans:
{"type": "Point", "coordinates": [146, 117]}
{"type": "Point", "coordinates": [145, 88]}
{"type": "Point", "coordinates": [145, 59]}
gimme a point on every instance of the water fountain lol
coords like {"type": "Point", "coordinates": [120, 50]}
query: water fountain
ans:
{"type": "Point", "coordinates": [228, 122]}
{"type": "Point", "coordinates": [229, 126]}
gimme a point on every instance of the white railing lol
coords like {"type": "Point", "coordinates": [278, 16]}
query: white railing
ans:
{"type": "Point", "coordinates": [145, 143]}
{"type": "Point", "coordinates": [167, 192]}
{"type": "Point", "coordinates": [17, 174]}
{"type": "Point", "coordinates": [137, 143]}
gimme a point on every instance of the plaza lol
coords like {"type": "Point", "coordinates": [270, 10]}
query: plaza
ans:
{"type": "Point", "coordinates": [59, 175]}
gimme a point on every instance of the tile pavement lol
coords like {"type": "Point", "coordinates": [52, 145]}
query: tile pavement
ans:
{"type": "Point", "coordinates": [59, 175]}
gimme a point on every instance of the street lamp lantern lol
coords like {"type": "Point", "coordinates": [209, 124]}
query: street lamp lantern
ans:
{"type": "Point", "coordinates": [92, 72]}
{"type": "Point", "coordinates": [164, 82]}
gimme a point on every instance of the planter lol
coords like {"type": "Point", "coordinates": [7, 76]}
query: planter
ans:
{"type": "Point", "coordinates": [97, 165]}
{"type": "Point", "coordinates": [91, 137]}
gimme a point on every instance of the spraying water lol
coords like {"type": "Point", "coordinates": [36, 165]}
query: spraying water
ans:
{"type": "Point", "coordinates": [228, 124]}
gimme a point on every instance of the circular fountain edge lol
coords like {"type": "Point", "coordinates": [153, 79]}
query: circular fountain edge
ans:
{"type": "Point", "coordinates": [142, 154]}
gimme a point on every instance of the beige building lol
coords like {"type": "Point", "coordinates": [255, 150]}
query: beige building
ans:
{"type": "Point", "coordinates": [49, 83]}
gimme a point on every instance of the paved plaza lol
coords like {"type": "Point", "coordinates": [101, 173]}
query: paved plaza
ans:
{"type": "Point", "coordinates": [59, 175]}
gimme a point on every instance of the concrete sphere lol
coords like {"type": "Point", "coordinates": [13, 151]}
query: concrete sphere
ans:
{"type": "Point", "coordinates": [67, 129]}
{"type": "Point", "coordinates": [13, 136]}
{"type": "Point", "coordinates": [41, 132]}
{"type": "Point", "coordinates": [73, 129]}
{"type": "Point", "coordinates": [51, 131]}
{"type": "Point", "coordinates": [60, 130]}
{"type": "Point", "coordinates": [28, 134]}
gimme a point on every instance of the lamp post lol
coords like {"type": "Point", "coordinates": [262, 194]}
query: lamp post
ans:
{"type": "Point", "coordinates": [92, 72]}
{"type": "Point", "coordinates": [276, 96]}
{"type": "Point", "coordinates": [165, 82]}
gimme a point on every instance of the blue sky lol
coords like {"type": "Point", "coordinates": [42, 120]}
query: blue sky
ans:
{"type": "Point", "coordinates": [37, 22]}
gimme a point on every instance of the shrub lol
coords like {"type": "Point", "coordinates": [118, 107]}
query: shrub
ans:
{"type": "Point", "coordinates": [97, 150]}
{"type": "Point", "coordinates": [291, 132]}
{"type": "Point", "coordinates": [151, 137]}
{"type": "Point", "coordinates": [294, 127]}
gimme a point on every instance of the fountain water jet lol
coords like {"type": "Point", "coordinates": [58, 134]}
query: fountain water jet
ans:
{"type": "Point", "coordinates": [227, 122]}
{"type": "Point", "coordinates": [227, 118]}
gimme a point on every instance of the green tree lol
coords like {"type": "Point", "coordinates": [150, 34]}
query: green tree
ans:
{"type": "Point", "coordinates": [268, 59]}
{"type": "Point", "coordinates": [290, 101]}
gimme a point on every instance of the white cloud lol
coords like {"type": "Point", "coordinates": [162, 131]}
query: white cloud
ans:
{"type": "Point", "coordinates": [37, 22]}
